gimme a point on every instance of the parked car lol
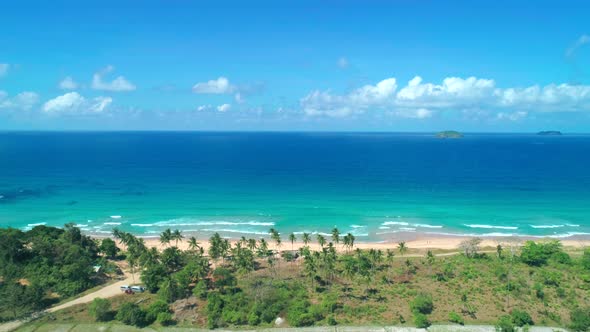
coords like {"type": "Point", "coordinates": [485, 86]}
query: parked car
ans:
{"type": "Point", "coordinates": [138, 289]}
{"type": "Point", "coordinates": [124, 288]}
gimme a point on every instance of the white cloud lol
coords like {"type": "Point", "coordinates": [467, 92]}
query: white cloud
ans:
{"type": "Point", "coordinates": [202, 108]}
{"type": "Point", "coordinates": [223, 108]}
{"type": "Point", "coordinates": [22, 101]}
{"type": "Point", "coordinates": [583, 40]}
{"type": "Point", "coordinates": [4, 69]}
{"type": "Point", "coordinates": [343, 63]}
{"type": "Point", "coordinates": [74, 103]}
{"type": "Point", "coordinates": [420, 113]}
{"type": "Point", "coordinates": [420, 99]}
{"type": "Point", "coordinates": [357, 101]}
{"type": "Point", "coordinates": [218, 86]}
{"type": "Point", "coordinates": [120, 83]}
{"type": "Point", "coordinates": [68, 83]}
{"type": "Point", "coordinates": [512, 116]}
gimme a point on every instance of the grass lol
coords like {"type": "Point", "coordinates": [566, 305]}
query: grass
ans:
{"type": "Point", "coordinates": [480, 290]}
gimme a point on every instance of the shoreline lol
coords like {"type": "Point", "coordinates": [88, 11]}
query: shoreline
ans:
{"type": "Point", "coordinates": [416, 241]}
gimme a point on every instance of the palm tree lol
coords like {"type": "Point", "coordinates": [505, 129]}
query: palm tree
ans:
{"type": "Point", "coordinates": [252, 244]}
{"type": "Point", "coordinates": [166, 237]}
{"type": "Point", "coordinates": [119, 235]}
{"type": "Point", "coordinates": [349, 241]}
{"type": "Point", "coordinates": [321, 240]}
{"type": "Point", "coordinates": [336, 235]}
{"type": "Point", "coordinates": [402, 248]}
{"type": "Point", "coordinates": [177, 236]}
{"type": "Point", "coordinates": [292, 238]}
{"type": "Point", "coordinates": [306, 238]}
{"type": "Point", "coordinates": [192, 243]}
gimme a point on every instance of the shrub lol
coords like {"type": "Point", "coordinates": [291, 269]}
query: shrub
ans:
{"type": "Point", "coordinates": [456, 318]}
{"type": "Point", "coordinates": [109, 248]}
{"type": "Point", "coordinates": [422, 303]}
{"type": "Point", "coordinates": [539, 291]}
{"type": "Point", "coordinates": [298, 315]}
{"type": "Point", "coordinates": [253, 318]}
{"type": "Point", "coordinates": [421, 321]}
{"type": "Point", "coordinates": [537, 254]}
{"type": "Point", "coordinates": [521, 318]}
{"type": "Point", "coordinates": [214, 309]}
{"type": "Point", "coordinates": [165, 319]}
{"type": "Point", "coordinates": [155, 309]}
{"type": "Point", "coordinates": [100, 309]}
{"type": "Point", "coordinates": [169, 291]}
{"type": "Point", "coordinates": [131, 314]}
{"type": "Point", "coordinates": [505, 324]}
{"type": "Point", "coordinates": [585, 262]}
{"type": "Point", "coordinates": [580, 319]}
{"type": "Point", "coordinates": [200, 290]}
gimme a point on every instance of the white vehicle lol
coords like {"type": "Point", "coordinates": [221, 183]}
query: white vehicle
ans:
{"type": "Point", "coordinates": [125, 287]}
{"type": "Point", "coordinates": [138, 289]}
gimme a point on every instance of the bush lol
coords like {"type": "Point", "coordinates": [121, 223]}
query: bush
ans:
{"type": "Point", "coordinates": [155, 309]}
{"type": "Point", "coordinates": [585, 262]}
{"type": "Point", "coordinates": [109, 248]}
{"type": "Point", "coordinates": [165, 319]}
{"type": "Point", "coordinates": [505, 324]}
{"type": "Point", "coordinates": [422, 303]}
{"type": "Point", "coordinates": [580, 319]}
{"type": "Point", "coordinates": [214, 309]}
{"type": "Point", "coordinates": [100, 309]}
{"type": "Point", "coordinates": [200, 290]}
{"type": "Point", "coordinates": [537, 254]}
{"type": "Point", "coordinates": [421, 321]}
{"type": "Point", "coordinates": [456, 318]}
{"type": "Point", "coordinates": [131, 314]}
{"type": "Point", "coordinates": [169, 291]}
{"type": "Point", "coordinates": [521, 318]}
{"type": "Point", "coordinates": [298, 315]}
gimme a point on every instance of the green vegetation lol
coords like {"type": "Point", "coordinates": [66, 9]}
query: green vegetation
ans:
{"type": "Point", "coordinates": [246, 284]}
{"type": "Point", "coordinates": [43, 265]}
{"type": "Point", "coordinates": [449, 134]}
{"type": "Point", "coordinates": [100, 309]}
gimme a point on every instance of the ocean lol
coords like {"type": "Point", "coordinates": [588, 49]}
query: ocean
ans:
{"type": "Point", "coordinates": [373, 185]}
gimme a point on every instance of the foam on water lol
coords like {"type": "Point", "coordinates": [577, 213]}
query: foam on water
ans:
{"type": "Point", "coordinates": [490, 226]}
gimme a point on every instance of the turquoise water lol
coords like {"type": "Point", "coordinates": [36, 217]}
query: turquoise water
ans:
{"type": "Point", "coordinates": [376, 186]}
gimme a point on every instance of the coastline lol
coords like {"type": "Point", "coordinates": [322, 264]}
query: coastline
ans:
{"type": "Point", "coordinates": [415, 241]}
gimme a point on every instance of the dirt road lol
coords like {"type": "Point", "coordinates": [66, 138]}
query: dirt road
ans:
{"type": "Point", "coordinates": [105, 292]}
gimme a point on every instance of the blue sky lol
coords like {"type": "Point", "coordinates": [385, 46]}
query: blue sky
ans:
{"type": "Point", "coordinates": [501, 66]}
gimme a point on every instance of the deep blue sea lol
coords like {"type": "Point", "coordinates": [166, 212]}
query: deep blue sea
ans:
{"type": "Point", "coordinates": [375, 185]}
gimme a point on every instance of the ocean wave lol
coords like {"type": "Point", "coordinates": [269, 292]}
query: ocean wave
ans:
{"type": "Point", "coordinates": [402, 223]}
{"type": "Point", "coordinates": [384, 227]}
{"type": "Point", "coordinates": [547, 226]}
{"type": "Point", "coordinates": [407, 229]}
{"type": "Point", "coordinates": [142, 225]}
{"type": "Point", "coordinates": [357, 226]}
{"type": "Point", "coordinates": [115, 217]}
{"type": "Point", "coordinates": [427, 226]}
{"type": "Point", "coordinates": [240, 231]}
{"type": "Point", "coordinates": [572, 225]}
{"type": "Point", "coordinates": [568, 234]}
{"type": "Point", "coordinates": [112, 223]}
{"type": "Point", "coordinates": [490, 226]}
{"type": "Point", "coordinates": [37, 224]}
{"type": "Point", "coordinates": [189, 222]}
{"type": "Point", "coordinates": [81, 225]}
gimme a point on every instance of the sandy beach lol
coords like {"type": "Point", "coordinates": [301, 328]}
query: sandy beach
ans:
{"type": "Point", "coordinates": [414, 241]}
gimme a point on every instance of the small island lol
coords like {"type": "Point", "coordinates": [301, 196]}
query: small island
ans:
{"type": "Point", "coordinates": [550, 133]}
{"type": "Point", "coordinates": [449, 134]}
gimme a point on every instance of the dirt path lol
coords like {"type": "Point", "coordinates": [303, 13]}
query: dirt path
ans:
{"type": "Point", "coordinates": [105, 292]}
